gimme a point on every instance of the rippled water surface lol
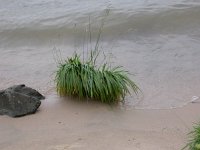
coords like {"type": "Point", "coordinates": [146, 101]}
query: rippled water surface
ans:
{"type": "Point", "coordinates": [156, 40]}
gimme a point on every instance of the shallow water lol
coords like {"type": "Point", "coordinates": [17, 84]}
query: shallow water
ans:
{"type": "Point", "coordinates": [156, 40]}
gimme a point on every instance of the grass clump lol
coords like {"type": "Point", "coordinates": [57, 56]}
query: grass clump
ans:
{"type": "Point", "coordinates": [194, 141]}
{"type": "Point", "coordinates": [84, 79]}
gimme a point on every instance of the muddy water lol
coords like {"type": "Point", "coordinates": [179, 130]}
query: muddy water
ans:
{"type": "Point", "coordinates": [156, 40]}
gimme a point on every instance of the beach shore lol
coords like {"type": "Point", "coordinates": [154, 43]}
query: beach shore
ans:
{"type": "Point", "coordinates": [64, 124]}
{"type": "Point", "coordinates": [156, 41]}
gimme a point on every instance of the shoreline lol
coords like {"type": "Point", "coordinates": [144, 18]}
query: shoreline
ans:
{"type": "Point", "coordinates": [66, 124]}
{"type": "Point", "coordinates": [157, 42]}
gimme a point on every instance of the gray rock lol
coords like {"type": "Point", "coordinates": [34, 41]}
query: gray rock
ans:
{"type": "Point", "coordinates": [19, 100]}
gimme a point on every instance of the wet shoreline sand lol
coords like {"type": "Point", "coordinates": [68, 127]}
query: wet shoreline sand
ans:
{"type": "Point", "coordinates": [64, 124]}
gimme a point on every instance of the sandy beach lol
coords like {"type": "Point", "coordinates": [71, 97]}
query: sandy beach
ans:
{"type": "Point", "coordinates": [64, 124]}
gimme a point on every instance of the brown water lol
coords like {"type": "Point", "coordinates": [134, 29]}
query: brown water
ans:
{"type": "Point", "coordinates": [156, 40]}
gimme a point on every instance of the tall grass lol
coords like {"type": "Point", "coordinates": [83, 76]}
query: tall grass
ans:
{"type": "Point", "coordinates": [194, 141]}
{"type": "Point", "coordinates": [84, 79]}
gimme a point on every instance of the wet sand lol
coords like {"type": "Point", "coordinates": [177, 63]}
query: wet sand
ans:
{"type": "Point", "coordinates": [64, 124]}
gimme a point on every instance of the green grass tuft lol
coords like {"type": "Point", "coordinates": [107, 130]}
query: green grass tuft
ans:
{"type": "Point", "coordinates": [84, 80]}
{"type": "Point", "coordinates": [194, 141]}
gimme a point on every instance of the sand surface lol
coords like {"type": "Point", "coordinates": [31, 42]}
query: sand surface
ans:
{"type": "Point", "coordinates": [63, 124]}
